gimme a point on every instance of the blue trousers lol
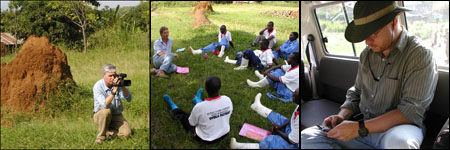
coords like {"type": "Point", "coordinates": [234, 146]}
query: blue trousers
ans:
{"type": "Point", "coordinates": [276, 141]}
{"type": "Point", "coordinates": [280, 88]}
{"type": "Point", "coordinates": [164, 62]}
{"type": "Point", "coordinates": [211, 47]}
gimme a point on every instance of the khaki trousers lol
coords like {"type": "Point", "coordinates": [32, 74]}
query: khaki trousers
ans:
{"type": "Point", "coordinates": [111, 125]}
{"type": "Point", "coordinates": [259, 38]}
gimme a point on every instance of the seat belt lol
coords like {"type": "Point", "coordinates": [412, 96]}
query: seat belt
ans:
{"type": "Point", "coordinates": [311, 56]}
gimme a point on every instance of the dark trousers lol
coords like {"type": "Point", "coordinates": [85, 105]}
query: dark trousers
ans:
{"type": "Point", "coordinates": [183, 117]}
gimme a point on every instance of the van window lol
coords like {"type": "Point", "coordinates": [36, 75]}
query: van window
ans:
{"type": "Point", "coordinates": [429, 21]}
{"type": "Point", "coordinates": [333, 20]}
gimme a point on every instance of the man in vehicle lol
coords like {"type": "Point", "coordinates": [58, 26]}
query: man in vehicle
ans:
{"type": "Point", "coordinates": [394, 86]}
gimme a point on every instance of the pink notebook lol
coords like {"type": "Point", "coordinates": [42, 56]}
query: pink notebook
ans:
{"type": "Point", "coordinates": [253, 132]}
{"type": "Point", "coordinates": [182, 69]}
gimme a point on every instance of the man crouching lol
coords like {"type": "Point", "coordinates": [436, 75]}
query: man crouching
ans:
{"type": "Point", "coordinates": [108, 105]}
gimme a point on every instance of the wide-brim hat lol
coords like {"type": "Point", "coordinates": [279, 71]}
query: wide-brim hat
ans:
{"type": "Point", "coordinates": [370, 16]}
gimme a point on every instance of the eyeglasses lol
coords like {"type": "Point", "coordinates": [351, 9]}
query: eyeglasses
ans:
{"type": "Point", "coordinates": [373, 75]}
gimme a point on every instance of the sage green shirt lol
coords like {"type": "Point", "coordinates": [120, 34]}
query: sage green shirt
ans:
{"type": "Point", "coordinates": [408, 83]}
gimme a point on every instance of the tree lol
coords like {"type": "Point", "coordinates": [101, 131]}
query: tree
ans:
{"type": "Point", "coordinates": [79, 13]}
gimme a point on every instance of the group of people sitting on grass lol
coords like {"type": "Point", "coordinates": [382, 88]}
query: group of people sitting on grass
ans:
{"type": "Point", "coordinates": [209, 119]}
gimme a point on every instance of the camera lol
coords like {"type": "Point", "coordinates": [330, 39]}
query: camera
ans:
{"type": "Point", "coordinates": [122, 82]}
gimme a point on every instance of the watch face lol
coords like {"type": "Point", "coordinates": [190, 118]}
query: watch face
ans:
{"type": "Point", "coordinates": [363, 132]}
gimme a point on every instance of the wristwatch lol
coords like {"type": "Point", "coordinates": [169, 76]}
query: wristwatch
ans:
{"type": "Point", "coordinates": [362, 129]}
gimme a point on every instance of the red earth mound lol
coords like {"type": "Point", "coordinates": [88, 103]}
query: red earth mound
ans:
{"type": "Point", "coordinates": [199, 13]}
{"type": "Point", "coordinates": [38, 69]}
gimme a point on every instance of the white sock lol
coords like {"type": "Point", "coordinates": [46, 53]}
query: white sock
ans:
{"type": "Point", "coordinates": [197, 51]}
{"type": "Point", "coordinates": [259, 108]}
{"type": "Point", "coordinates": [260, 76]}
{"type": "Point", "coordinates": [236, 145]}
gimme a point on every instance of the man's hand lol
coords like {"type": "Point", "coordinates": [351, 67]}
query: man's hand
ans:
{"type": "Point", "coordinates": [175, 55]}
{"type": "Point", "coordinates": [345, 131]}
{"type": "Point", "coordinates": [161, 53]}
{"type": "Point", "coordinates": [332, 121]}
{"type": "Point", "coordinates": [274, 127]}
{"type": "Point", "coordinates": [115, 82]}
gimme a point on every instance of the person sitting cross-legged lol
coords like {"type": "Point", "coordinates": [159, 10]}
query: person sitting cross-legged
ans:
{"type": "Point", "coordinates": [209, 119]}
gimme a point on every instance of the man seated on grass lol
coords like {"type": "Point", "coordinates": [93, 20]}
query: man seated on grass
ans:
{"type": "Point", "coordinates": [267, 33]}
{"type": "Point", "coordinates": [258, 59]}
{"type": "Point", "coordinates": [209, 119]}
{"type": "Point", "coordinates": [285, 131]}
{"type": "Point", "coordinates": [163, 57]}
{"type": "Point", "coordinates": [108, 105]}
{"type": "Point", "coordinates": [224, 39]}
{"type": "Point", "coordinates": [287, 48]}
{"type": "Point", "coordinates": [284, 79]}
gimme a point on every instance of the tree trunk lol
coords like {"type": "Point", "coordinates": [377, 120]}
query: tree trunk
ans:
{"type": "Point", "coordinates": [84, 40]}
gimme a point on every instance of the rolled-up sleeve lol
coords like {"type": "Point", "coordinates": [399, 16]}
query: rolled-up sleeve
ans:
{"type": "Point", "coordinates": [418, 89]}
{"type": "Point", "coordinates": [122, 96]}
{"type": "Point", "coordinates": [157, 46]}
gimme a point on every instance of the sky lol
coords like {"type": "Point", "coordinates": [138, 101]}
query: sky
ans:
{"type": "Point", "coordinates": [111, 4]}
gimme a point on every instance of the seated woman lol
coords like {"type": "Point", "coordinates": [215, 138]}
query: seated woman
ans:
{"type": "Point", "coordinates": [285, 79]}
{"type": "Point", "coordinates": [224, 40]}
{"type": "Point", "coordinates": [285, 131]}
{"type": "Point", "coordinates": [258, 59]}
{"type": "Point", "coordinates": [209, 119]}
{"type": "Point", "coordinates": [163, 57]}
{"type": "Point", "coordinates": [287, 48]}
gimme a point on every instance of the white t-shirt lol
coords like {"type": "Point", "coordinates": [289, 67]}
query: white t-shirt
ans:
{"type": "Point", "coordinates": [290, 78]}
{"type": "Point", "coordinates": [265, 57]}
{"type": "Point", "coordinates": [274, 33]}
{"type": "Point", "coordinates": [227, 35]}
{"type": "Point", "coordinates": [293, 136]}
{"type": "Point", "coordinates": [211, 117]}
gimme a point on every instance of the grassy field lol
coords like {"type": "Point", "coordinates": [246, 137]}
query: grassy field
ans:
{"type": "Point", "coordinates": [244, 22]}
{"type": "Point", "coordinates": [75, 128]}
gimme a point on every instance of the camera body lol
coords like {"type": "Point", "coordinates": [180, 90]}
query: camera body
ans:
{"type": "Point", "coordinates": [122, 82]}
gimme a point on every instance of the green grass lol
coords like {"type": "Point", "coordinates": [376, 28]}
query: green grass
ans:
{"type": "Point", "coordinates": [75, 128]}
{"type": "Point", "coordinates": [244, 22]}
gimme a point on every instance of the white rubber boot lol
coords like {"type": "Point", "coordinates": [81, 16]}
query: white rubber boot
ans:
{"type": "Point", "coordinates": [259, 108]}
{"type": "Point", "coordinates": [222, 51]}
{"type": "Point", "coordinates": [261, 83]}
{"type": "Point", "coordinates": [230, 61]}
{"type": "Point", "coordinates": [236, 145]}
{"type": "Point", "coordinates": [260, 76]}
{"type": "Point", "coordinates": [244, 64]}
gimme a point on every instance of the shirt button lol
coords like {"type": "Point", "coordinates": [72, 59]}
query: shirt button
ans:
{"type": "Point", "coordinates": [383, 59]}
{"type": "Point", "coordinates": [372, 95]}
{"type": "Point", "coordinates": [367, 110]}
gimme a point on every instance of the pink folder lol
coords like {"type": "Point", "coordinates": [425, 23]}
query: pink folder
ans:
{"type": "Point", "coordinates": [182, 69]}
{"type": "Point", "coordinates": [253, 132]}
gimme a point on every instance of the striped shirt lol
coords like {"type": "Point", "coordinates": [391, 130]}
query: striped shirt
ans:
{"type": "Point", "coordinates": [408, 83]}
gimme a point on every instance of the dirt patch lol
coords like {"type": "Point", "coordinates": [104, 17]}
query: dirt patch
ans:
{"type": "Point", "coordinates": [38, 69]}
{"type": "Point", "coordinates": [199, 13]}
{"type": "Point", "coordinates": [4, 49]}
{"type": "Point", "coordinates": [284, 13]}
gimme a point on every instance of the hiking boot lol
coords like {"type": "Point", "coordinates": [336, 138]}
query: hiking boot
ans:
{"type": "Point", "coordinates": [152, 71]}
{"type": "Point", "coordinates": [162, 74]}
{"type": "Point", "coordinates": [98, 141]}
